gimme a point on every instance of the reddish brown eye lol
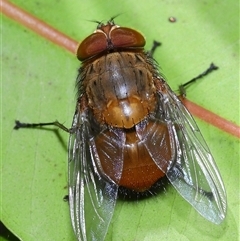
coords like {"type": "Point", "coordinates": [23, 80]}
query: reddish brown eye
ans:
{"type": "Point", "coordinates": [92, 45]}
{"type": "Point", "coordinates": [126, 37]}
{"type": "Point", "coordinates": [109, 37]}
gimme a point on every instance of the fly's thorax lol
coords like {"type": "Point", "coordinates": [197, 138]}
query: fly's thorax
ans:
{"type": "Point", "coordinates": [120, 89]}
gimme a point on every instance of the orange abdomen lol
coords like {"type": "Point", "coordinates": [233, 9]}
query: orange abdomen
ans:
{"type": "Point", "coordinates": [139, 171]}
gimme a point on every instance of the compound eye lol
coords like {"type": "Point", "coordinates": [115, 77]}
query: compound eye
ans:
{"type": "Point", "coordinates": [92, 45]}
{"type": "Point", "coordinates": [126, 37]}
{"type": "Point", "coordinates": [114, 38]}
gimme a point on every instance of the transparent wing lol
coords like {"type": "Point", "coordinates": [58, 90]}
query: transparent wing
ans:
{"type": "Point", "coordinates": [91, 198]}
{"type": "Point", "coordinates": [192, 170]}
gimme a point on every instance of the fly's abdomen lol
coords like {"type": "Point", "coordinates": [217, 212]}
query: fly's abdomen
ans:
{"type": "Point", "coordinates": [119, 88]}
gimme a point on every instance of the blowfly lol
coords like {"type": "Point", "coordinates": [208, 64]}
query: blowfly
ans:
{"type": "Point", "coordinates": [129, 131]}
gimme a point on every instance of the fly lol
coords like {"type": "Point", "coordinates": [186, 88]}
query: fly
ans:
{"type": "Point", "coordinates": [129, 131]}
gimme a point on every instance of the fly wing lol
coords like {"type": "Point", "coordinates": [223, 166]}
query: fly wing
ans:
{"type": "Point", "coordinates": [91, 198]}
{"type": "Point", "coordinates": [192, 169]}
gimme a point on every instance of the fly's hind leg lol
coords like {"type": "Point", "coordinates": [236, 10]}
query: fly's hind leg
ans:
{"type": "Point", "coordinates": [176, 172]}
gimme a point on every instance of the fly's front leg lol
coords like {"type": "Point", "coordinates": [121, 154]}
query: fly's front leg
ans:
{"type": "Point", "coordinates": [155, 45]}
{"type": "Point", "coordinates": [183, 87]}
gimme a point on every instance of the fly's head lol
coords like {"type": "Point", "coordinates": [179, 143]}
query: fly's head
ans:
{"type": "Point", "coordinates": [107, 38]}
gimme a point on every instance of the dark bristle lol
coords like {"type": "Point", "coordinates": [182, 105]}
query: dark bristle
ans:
{"type": "Point", "coordinates": [131, 195]}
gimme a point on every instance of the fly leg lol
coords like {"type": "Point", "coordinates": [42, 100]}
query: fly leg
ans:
{"type": "Point", "coordinates": [176, 172]}
{"type": "Point", "coordinates": [19, 125]}
{"type": "Point", "coordinates": [81, 107]}
{"type": "Point", "coordinates": [155, 45]}
{"type": "Point", "coordinates": [183, 87]}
